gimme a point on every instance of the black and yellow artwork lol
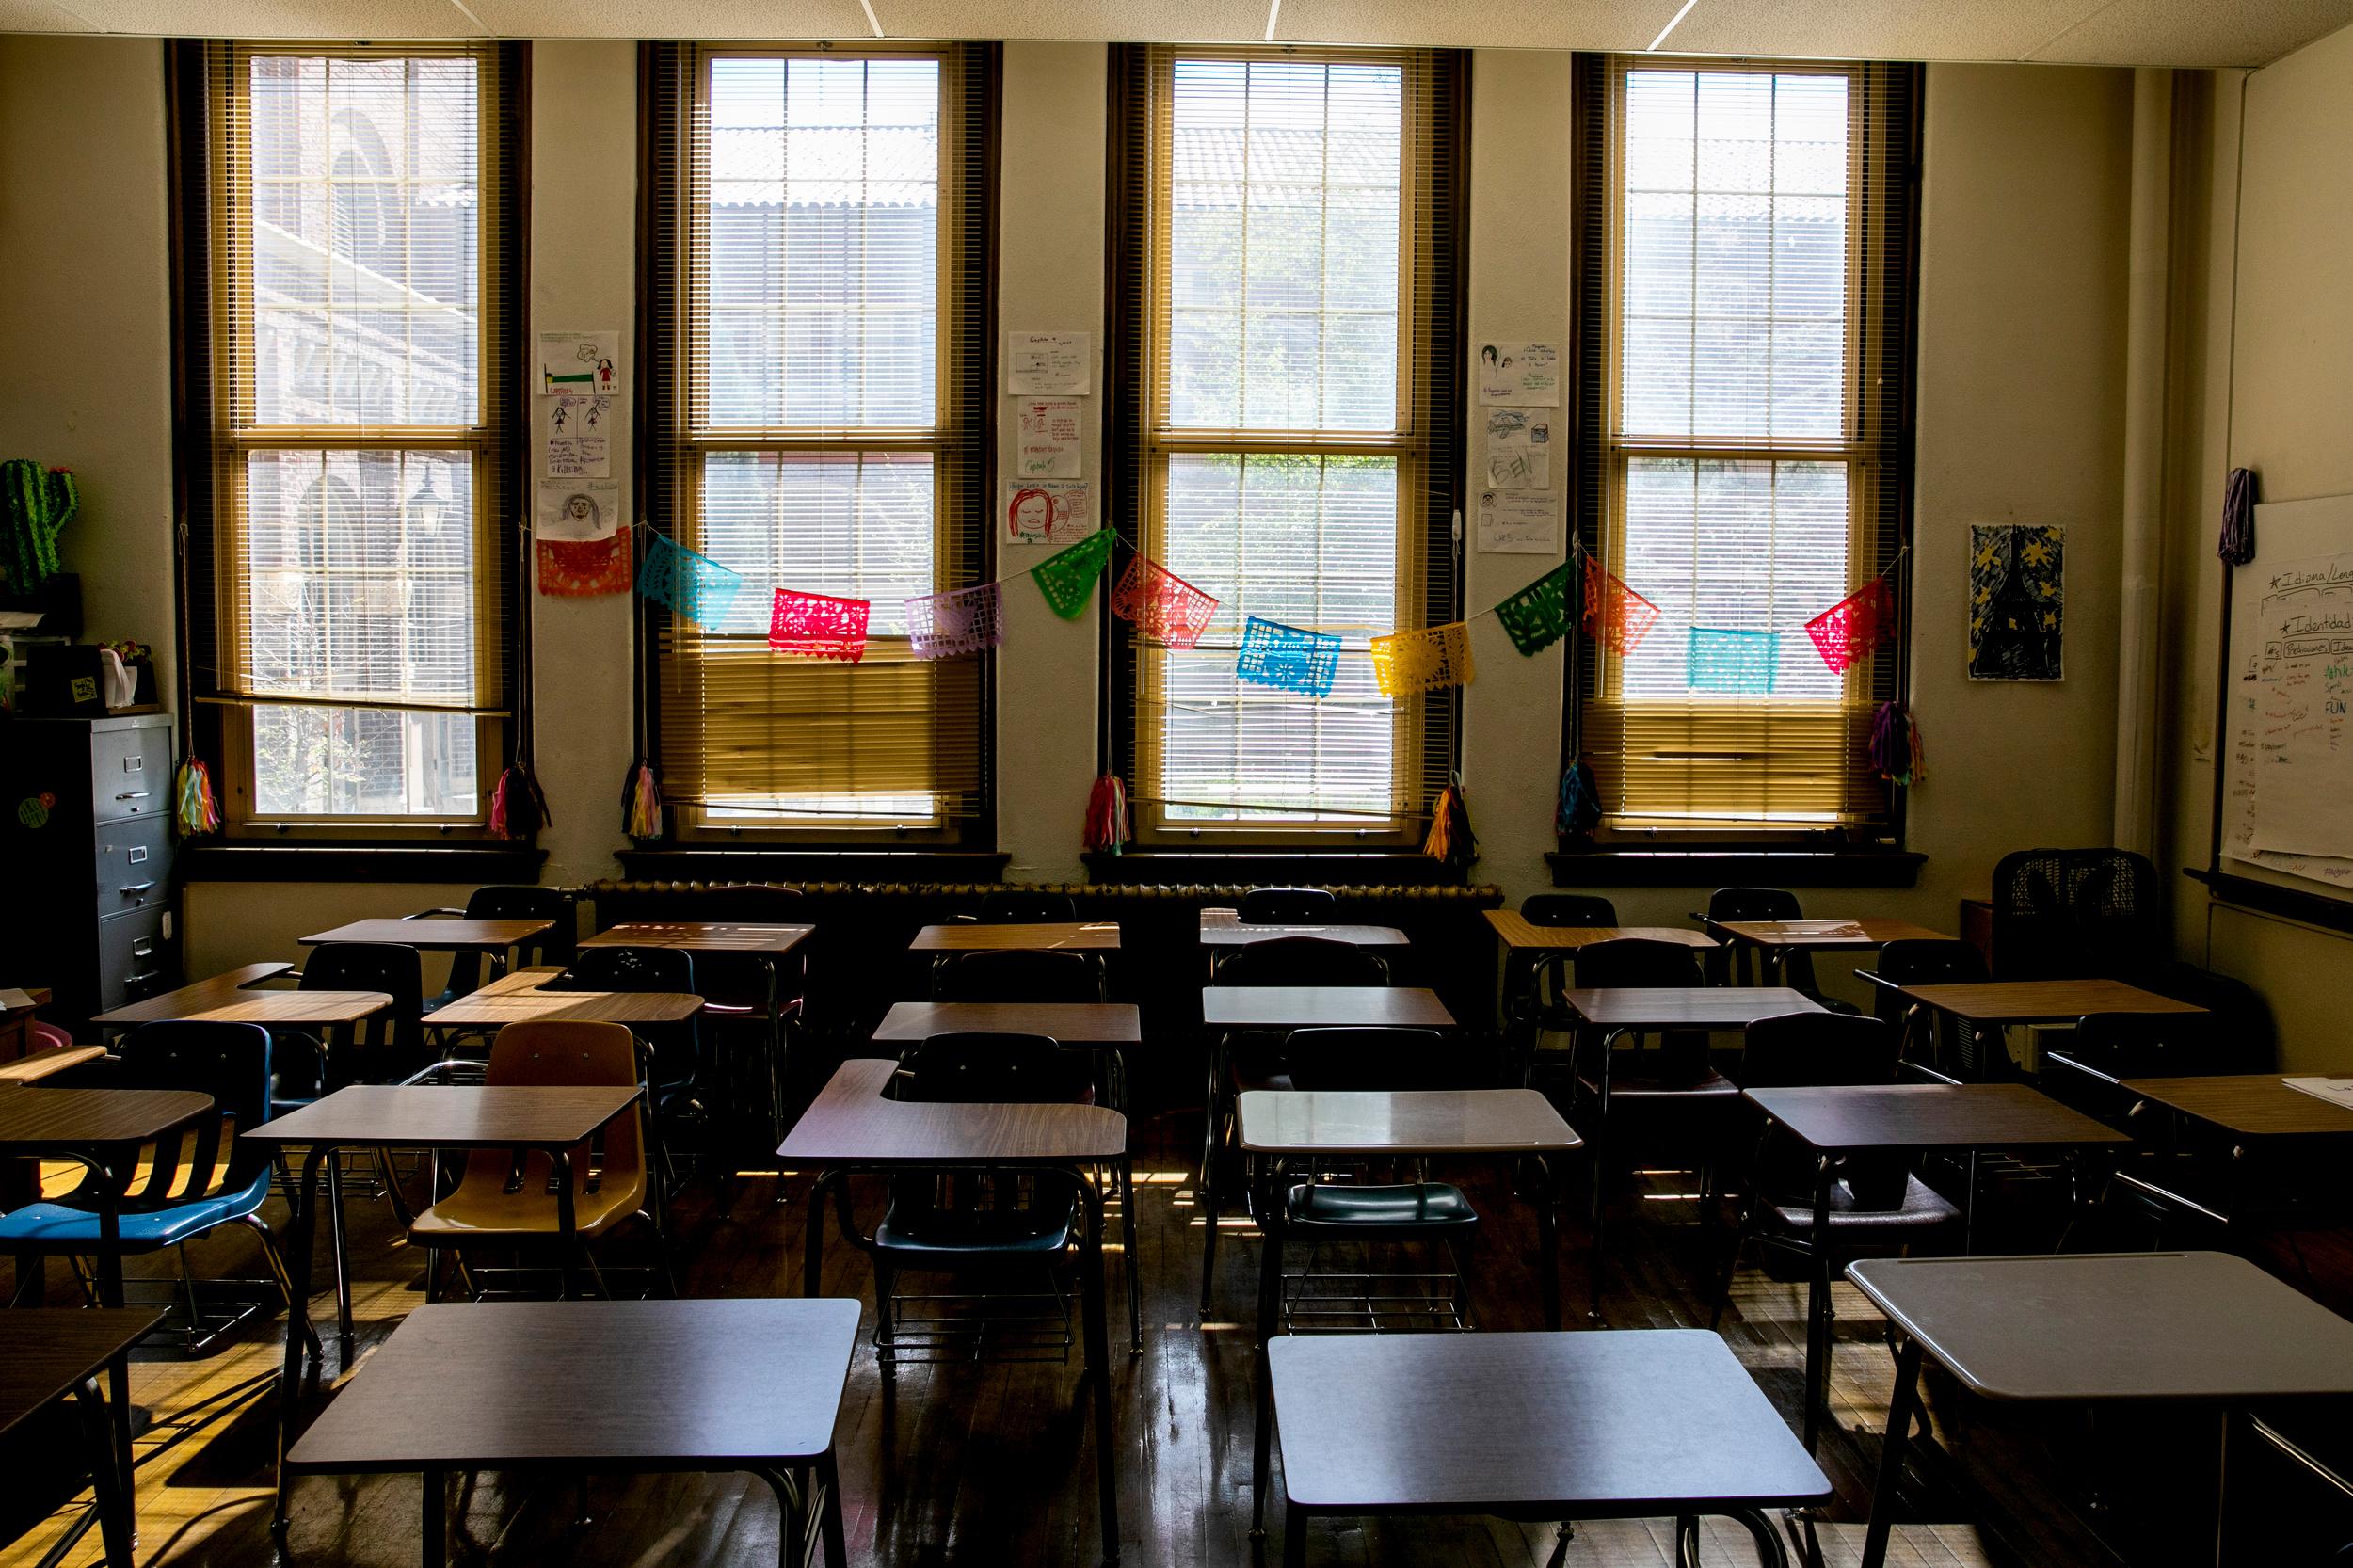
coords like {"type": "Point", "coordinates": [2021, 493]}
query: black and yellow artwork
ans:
{"type": "Point", "coordinates": [2017, 601]}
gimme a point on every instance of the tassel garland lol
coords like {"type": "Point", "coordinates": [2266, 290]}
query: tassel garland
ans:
{"type": "Point", "coordinates": [518, 808]}
{"type": "Point", "coordinates": [1895, 751]}
{"type": "Point", "coordinates": [1450, 838]}
{"type": "Point", "coordinates": [641, 803]}
{"type": "Point", "coordinates": [1109, 829]}
{"type": "Point", "coordinates": [1579, 813]}
{"type": "Point", "coordinates": [197, 811]}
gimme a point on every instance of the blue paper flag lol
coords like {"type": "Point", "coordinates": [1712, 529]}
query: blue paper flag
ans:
{"type": "Point", "coordinates": [1273, 654]}
{"type": "Point", "coordinates": [1733, 660]}
{"type": "Point", "coordinates": [692, 585]}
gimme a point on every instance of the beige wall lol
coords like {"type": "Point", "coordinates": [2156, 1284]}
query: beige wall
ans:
{"type": "Point", "coordinates": [2022, 317]}
{"type": "Point", "coordinates": [2271, 388]}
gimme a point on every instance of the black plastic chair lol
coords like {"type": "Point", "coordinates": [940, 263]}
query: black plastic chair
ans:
{"type": "Point", "coordinates": [185, 1188]}
{"type": "Point", "coordinates": [554, 945]}
{"type": "Point", "coordinates": [675, 1064]}
{"type": "Point", "coordinates": [748, 903]}
{"type": "Point", "coordinates": [1934, 1045]}
{"type": "Point", "coordinates": [1827, 1211]}
{"type": "Point", "coordinates": [1371, 1058]}
{"type": "Point", "coordinates": [741, 989]}
{"type": "Point", "coordinates": [1568, 909]}
{"type": "Point", "coordinates": [2076, 914]}
{"type": "Point", "coordinates": [2089, 1069]}
{"type": "Point", "coordinates": [1017, 975]}
{"type": "Point", "coordinates": [957, 1221]}
{"type": "Point", "coordinates": [1026, 906]}
{"type": "Point", "coordinates": [1289, 906]}
{"type": "Point", "coordinates": [1302, 961]}
{"type": "Point", "coordinates": [384, 1048]}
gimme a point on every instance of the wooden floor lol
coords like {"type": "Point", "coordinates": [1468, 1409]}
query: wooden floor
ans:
{"type": "Point", "coordinates": [992, 1465]}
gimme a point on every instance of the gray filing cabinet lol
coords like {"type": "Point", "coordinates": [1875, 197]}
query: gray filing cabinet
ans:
{"type": "Point", "coordinates": [88, 907]}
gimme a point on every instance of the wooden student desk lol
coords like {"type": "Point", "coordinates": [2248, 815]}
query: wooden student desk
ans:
{"type": "Point", "coordinates": [1777, 940]}
{"type": "Point", "coordinates": [1225, 928]}
{"type": "Point", "coordinates": [1042, 936]}
{"type": "Point", "coordinates": [851, 1128]}
{"type": "Point", "coordinates": [1629, 1424]}
{"type": "Point", "coordinates": [546, 1119]}
{"type": "Point", "coordinates": [524, 996]}
{"type": "Point", "coordinates": [568, 1387]}
{"type": "Point", "coordinates": [48, 1353]}
{"type": "Point", "coordinates": [1985, 1008]}
{"type": "Point", "coordinates": [1279, 1126]}
{"type": "Point", "coordinates": [436, 934]}
{"type": "Point", "coordinates": [234, 997]}
{"type": "Point", "coordinates": [2185, 1327]}
{"type": "Point", "coordinates": [2248, 1104]}
{"type": "Point", "coordinates": [764, 941]}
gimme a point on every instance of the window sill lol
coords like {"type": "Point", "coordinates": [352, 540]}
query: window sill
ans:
{"type": "Point", "coordinates": [796, 865]}
{"type": "Point", "coordinates": [1274, 867]}
{"type": "Point", "coordinates": [1734, 868]}
{"type": "Point", "coordinates": [477, 864]}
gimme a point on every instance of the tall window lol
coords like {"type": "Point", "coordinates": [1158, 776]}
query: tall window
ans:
{"type": "Point", "coordinates": [1283, 415]}
{"type": "Point", "coordinates": [1747, 305]}
{"type": "Point", "coordinates": [350, 320]}
{"type": "Point", "coordinates": [817, 345]}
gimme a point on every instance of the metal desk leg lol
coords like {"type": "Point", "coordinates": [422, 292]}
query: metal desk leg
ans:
{"type": "Point", "coordinates": [567, 1225]}
{"type": "Point", "coordinates": [110, 1483]}
{"type": "Point", "coordinates": [436, 1522]}
{"type": "Point", "coordinates": [1818, 1310]}
{"type": "Point", "coordinates": [1548, 1239]}
{"type": "Point", "coordinates": [1295, 1535]}
{"type": "Point", "coordinates": [301, 1236]}
{"type": "Point", "coordinates": [1130, 1249]}
{"type": "Point", "coordinates": [1270, 1313]}
{"type": "Point", "coordinates": [1900, 1412]}
{"type": "Point", "coordinates": [1205, 1190]}
{"type": "Point", "coordinates": [829, 1512]}
{"type": "Point", "coordinates": [1100, 1366]}
{"type": "Point", "coordinates": [814, 1233]}
{"type": "Point", "coordinates": [110, 1294]}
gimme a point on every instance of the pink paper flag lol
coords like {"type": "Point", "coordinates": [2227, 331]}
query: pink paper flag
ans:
{"type": "Point", "coordinates": [1161, 604]}
{"type": "Point", "coordinates": [1852, 628]}
{"type": "Point", "coordinates": [816, 626]}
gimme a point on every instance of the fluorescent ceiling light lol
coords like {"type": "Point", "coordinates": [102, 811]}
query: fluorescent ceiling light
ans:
{"type": "Point", "coordinates": [1673, 22]}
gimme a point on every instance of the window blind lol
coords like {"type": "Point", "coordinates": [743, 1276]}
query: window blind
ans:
{"type": "Point", "coordinates": [1285, 428]}
{"type": "Point", "coordinates": [815, 418]}
{"type": "Point", "coordinates": [1746, 262]}
{"type": "Point", "coordinates": [350, 369]}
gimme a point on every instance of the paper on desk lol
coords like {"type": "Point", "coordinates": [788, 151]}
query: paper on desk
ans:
{"type": "Point", "coordinates": [2336, 1091]}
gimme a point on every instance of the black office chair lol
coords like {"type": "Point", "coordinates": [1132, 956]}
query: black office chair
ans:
{"type": "Point", "coordinates": [2076, 914]}
{"type": "Point", "coordinates": [960, 1222]}
{"type": "Point", "coordinates": [1825, 1212]}
{"type": "Point", "coordinates": [1026, 906]}
{"type": "Point", "coordinates": [1016, 975]}
{"type": "Point", "coordinates": [554, 945]}
{"type": "Point", "coordinates": [1289, 906]}
{"type": "Point", "coordinates": [1934, 1045]}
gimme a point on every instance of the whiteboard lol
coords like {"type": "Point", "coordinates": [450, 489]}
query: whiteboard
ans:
{"type": "Point", "coordinates": [2286, 805]}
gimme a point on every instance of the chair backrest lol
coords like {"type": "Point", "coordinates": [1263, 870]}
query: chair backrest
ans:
{"type": "Point", "coordinates": [392, 968]}
{"type": "Point", "coordinates": [1005, 1069]}
{"type": "Point", "coordinates": [750, 904]}
{"type": "Point", "coordinates": [1302, 961]}
{"type": "Point", "coordinates": [2242, 1029]}
{"type": "Point", "coordinates": [1925, 961]}
{"type": "Point", "coordinates": [558, 1053]}
{"type": "Point", "coordinates": [1374, 1059]}
{"type": "Point", "coordinates": [1635, 961]}
{"type": "Point", "coordinates": [1568, 909]}
{"type": "Point", "coordinates": [1753, 904]}
{"type": "Point", "coordinates": [1026, 906]}
{"type": "Point", "coordinates": [1806, 1050]}
{"type": "Point", "coordinates": [2149, 1045]}
{"type": "Point", "coordinates": [2075, 914]}
{"type": "Point", "coordinates": [226, 1060]}
{"type": "Point", "coordinates": [1017, 975]}
{"type": "Point", "coordinates": [48, 1036]}
{"type": "Point", "coordinates": [629, 968]}
{"type": "Point", "coordinates": [554, 945]}
{"type": "Point", "coordinates": [1289, 906]}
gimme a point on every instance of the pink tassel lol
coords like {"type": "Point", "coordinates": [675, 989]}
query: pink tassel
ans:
{"type": "Point", "coordinates": [641, 803]}
{"type": "Point", "coordinates": [1109, 829]}
{"type": "Point", "coordinates": [519, 807]}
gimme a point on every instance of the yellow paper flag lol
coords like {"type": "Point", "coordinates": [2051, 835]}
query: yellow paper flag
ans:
{"type": "Point", "coordinates": [1404, 663]}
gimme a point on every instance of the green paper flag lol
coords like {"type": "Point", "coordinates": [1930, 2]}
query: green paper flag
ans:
{"type": "Point", "coordinates": [1538, 615]}
{"type": "Point", "coordinates": [1067, 577]}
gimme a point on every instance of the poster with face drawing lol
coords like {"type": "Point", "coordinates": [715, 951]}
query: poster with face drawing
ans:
{"type": "Point", "coordinates": [577, 508]}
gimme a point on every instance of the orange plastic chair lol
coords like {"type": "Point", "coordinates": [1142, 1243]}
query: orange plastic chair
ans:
{"type": "Point", "coordinates": [505, 1201]}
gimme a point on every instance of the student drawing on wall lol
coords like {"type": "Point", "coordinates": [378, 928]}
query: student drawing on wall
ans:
{"type": "Point", "coordinates": [1032, 515]}
{"type": "Point", "coordinates": [604, 376]}
{"type": "Point", "coordinates": [2017, 602]}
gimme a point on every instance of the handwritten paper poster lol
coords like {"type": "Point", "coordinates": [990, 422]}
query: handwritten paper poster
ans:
{"type": "Point", "coordinates": [1048, 511]}
{"type": "Point", "coordinates": [1048, 440]}
{"type": "Point", "coordinates": [1048, 361]}
{"type": "Point", "coordinates": [578, 438]}
{"type": "Point", "coordinates": [1520, 375]}
{"type": "Point", "coordinates": [1518, 523]}
{"type": "Point", "coordinates": [578, 363]}
{"type": "Point", "coordinates": [577, 508]}
{"type": "Point", "coordinates": [1517, 451]}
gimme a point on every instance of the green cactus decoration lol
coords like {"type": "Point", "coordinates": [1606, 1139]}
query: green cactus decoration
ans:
{"type": "Point", "coordinates": [36, 503]}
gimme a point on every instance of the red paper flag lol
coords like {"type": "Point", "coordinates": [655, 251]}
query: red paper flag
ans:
{"type": "Point", "coordinates": [577, 569]}
{"type": "Point", "coordinates": [816, 626]}
{"type": "Point", "coordinates": [1615, 615]}
{"type": "Point", "coordinates": [1852, 628]}
{"type": "Point", "coordinates": [1161, 604]}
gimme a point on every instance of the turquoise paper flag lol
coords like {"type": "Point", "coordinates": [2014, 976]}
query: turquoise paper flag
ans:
{"type": "Point", "coordinates": [1273, 654]}
{"type": "Point", "coordinates": [1722, 661]}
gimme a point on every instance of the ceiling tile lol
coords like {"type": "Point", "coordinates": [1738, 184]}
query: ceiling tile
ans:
{"type": "Point", "coordinates": [2196, 33]}
{"type": "Point", "coordinates": [1478, 23]}
{"type": "Point", "coordinates": [784, 20]}
{"type": "Point", "coordinates": [1160, 21]}
{"type": "Point", "coordinates": [1875, 29]}
{"type": "Point", "coordinates": [39, 16]}
{"type": "Point", "coordinates": [312, 19]}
